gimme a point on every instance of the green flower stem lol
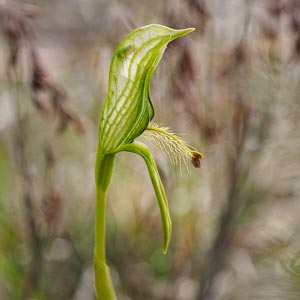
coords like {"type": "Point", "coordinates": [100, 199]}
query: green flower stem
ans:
{"type": "Point", "coordinates": [126, 114]}
{"type": "Point", "coordinates": [144, 152]}
{"type": "Point", "coordinates": [103, 174]}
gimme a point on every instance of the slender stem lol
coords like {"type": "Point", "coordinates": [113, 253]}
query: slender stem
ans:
{"type": "Point", "coordinates": [100, 223]}
{"type": "Point", "coordinates": [103, 173]}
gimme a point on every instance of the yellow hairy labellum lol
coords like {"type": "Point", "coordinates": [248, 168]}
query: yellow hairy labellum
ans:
{"type": "Point", "coordinates": [175, 147]}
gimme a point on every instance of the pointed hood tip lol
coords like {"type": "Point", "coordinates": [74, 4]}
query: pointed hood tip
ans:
{"type": "Point", "coordinates": [180, 32]}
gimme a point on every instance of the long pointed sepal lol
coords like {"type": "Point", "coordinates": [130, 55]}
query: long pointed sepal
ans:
{"type": "Point", "coordinates": [142, 150]}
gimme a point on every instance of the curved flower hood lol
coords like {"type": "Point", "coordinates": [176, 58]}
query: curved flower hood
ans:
{"type": "Point", "coordinates": [127, 109]}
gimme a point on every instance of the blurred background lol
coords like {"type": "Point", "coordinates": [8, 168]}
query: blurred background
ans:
{"type": "Point", "coordinates": [232, 87]}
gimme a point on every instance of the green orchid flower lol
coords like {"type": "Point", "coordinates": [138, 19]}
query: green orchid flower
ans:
{"type": "Point", "coordinates": [126, 115]}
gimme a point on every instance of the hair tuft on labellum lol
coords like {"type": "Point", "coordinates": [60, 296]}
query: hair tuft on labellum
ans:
{"type": "Point", "coordinates": [174, 146]}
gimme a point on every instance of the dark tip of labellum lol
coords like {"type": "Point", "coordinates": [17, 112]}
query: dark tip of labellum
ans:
{"type": "Point", "coordinates": [196, 159]}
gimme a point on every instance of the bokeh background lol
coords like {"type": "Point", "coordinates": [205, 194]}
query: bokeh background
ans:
{"type": "Point", "coordinates": [232, 88]}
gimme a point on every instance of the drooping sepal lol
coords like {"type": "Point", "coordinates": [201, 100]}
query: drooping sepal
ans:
{"type": "Point", "coordinates": [144, 152]}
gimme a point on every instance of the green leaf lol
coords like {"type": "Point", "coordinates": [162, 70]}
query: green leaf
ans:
{"type": "Point", "coordinates": [127, 109]}
{"type": "Point", "coordinates": [103, 282]}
